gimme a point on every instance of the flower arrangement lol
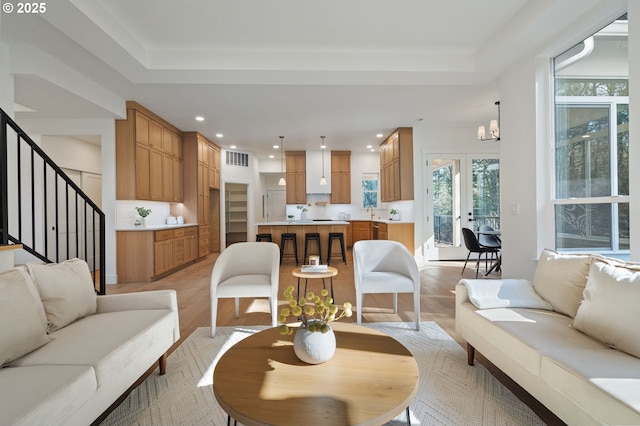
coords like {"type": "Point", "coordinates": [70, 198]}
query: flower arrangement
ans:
{"type": "Point", "coordinates": [143, 212]}
{"type": "Point", "coordinates": [394, 211]}
{"type": "Point", "coordinates": [303, 207]}
{"type": "Point", "coordinates": [315, 312]}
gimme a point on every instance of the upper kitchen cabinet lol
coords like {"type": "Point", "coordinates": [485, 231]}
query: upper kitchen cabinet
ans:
{"type": "Point", "coordinates": [296, 177]}
{"type": "Point", "coordinates": [148, 157]}
{"type": "Point", "coordinates": [201, 185]}
{"type": "Point", "coordinates": [341, 177]}
{"type": "Point", "coordinates": [314, 172]}
{"type": "Point", "coordinates": [396, 166]}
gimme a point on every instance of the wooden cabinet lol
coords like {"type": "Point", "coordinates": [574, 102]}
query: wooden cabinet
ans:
{"type": "Point", "coordinates": [146, 255]}
{"type": "Point", "coordinates": [201, 183]}
{"type": "Point", "coordinates": [340, 177]}
{"type": "Point", "coordinates": [296, 179]}
{"type": "Point", "coordinates": [360, 230]}
{"type": "Point", "coordinates": [383, 233]}
{"type": "Point", "coordinates": [186, 245]}
{"type": "Point", "coordinates": [148, 157]}
{"type": "Point", "coordinates": [396, 166]}
{"type": "Point", "coordinates": [164, 251]}
{"type": "Point", "coordinates": [401, 232]}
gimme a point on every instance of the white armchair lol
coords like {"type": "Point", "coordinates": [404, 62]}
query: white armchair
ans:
{"type": "Point", "coordinates": [382, 266]}
{"type": "Point", "coordinates": [248, 269]}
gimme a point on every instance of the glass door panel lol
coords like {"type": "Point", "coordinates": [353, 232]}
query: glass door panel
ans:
{"type": "Point", "coordinates": [463, 190]}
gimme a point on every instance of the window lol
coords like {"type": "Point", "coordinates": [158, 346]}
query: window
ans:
{"type": "Point", "coordinates": [370, 191]}
{"type": "Point", "coordinates": [592, 143]}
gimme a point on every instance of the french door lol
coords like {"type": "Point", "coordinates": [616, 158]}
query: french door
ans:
{"type": "Point", "coordinates": [463, 191]}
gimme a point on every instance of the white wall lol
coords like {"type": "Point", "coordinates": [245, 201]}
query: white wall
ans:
{"type": "Point", "coordinates": [73, 153]}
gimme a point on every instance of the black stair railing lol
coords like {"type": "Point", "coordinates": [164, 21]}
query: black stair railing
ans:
{"type": "Point", "coordinates": [43, 209]}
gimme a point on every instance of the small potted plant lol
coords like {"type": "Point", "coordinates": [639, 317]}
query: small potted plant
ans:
{"type": "Point", "coordinates": [290, 217]}
{"type": "Point", "coordinates": [395, 214]}
{"type": "Point", "coordinates": [303, 210]}
{"type": "Point", "coordinates": [143, 213]}
{"type": "Point", "coordinates": [314, 341]}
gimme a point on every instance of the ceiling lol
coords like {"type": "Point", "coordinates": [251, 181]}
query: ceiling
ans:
{"type": "Point", "coordinates": [259, 69]}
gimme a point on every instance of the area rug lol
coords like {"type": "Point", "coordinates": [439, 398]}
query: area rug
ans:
{"type": "Point", "coordinates": [450, 392]}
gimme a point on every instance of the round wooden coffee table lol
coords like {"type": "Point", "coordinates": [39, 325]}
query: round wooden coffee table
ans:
{"type": "Point", "coordinates": [329, 273]}
{"type": "Point", "coordinates": [371, 379]}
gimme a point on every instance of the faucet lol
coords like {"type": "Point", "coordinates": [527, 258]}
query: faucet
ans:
{"type": "Point", "coordinates": [373, 213]}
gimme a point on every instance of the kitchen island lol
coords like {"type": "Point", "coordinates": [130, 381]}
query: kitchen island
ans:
{"type": "Point", "coordinates": [300, 228]}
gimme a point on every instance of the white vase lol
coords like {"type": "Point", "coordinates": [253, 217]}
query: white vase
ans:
{"type": "Point", "coordinates": [314, 347]}
{"type": "Point", "coordinates": [303, 216]}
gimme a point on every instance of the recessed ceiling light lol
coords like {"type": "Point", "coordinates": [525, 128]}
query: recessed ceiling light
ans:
{"type": "Point", "coordinates": [373, 150]}
{"type": "Point", "coordinates": [276, 147]}
{"type": "Point", "coordinates": [232, 147]}
{"type": "Point", "coordinates": [219, 135]}
{"type": "Point", "coordinates": [323, 146]}
{"type": "Point", "coordinates": [379, 135]}
{"type": "Point", "coordinates": [369, 146]}
{"type": "Point", "coordinates": [271, 156]}
{"type": "Point", "coordinates": [199, 118]}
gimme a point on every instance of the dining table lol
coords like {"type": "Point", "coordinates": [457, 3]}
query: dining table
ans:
{"type": "Point", "coordinates": [497, 265]}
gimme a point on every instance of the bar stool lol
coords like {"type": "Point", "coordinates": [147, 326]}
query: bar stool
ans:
{"type": "Point", "coordinates": [263, 237]}
{"type": "Point", "coordinates": [312, 236]}
{"type": "Point", "coordinates": [340, 237]}
{"type": "Point", "coordinates": [283, 240]}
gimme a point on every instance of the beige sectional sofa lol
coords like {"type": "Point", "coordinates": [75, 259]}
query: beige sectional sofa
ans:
{"type": "Point", "coordinates": [67, 354]}
{"type": "Point", "coordinates": [571, 338]}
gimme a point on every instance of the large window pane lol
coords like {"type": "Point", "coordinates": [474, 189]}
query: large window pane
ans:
{"type": "Point", "coordinates": [592, 143]}
{"type": "Point", "coordinates": [486, 192]}
{"type": "Point", "coordinates": [623, 226]}
{"type": "Point", "coordinates": [623, 149]}
{"type": "Point", "coordinates": [583, 161]}
{"type": "Point", "coordinates": [443, 202]}
{"type": "Point", "coordinates": [583, 226]}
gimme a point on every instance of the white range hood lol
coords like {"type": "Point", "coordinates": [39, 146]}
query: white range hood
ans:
{"type": "Point", "coordinates": [314, 172]}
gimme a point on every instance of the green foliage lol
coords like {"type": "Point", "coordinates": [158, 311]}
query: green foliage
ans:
{"type": "Point", "coordinates": [143, 212]}
{"type": "Point", "coordinates": [311, 307]}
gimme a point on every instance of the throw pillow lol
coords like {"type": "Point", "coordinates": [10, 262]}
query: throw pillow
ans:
{"type": "Point", "coordinates": [560, 280]}
{"type": "Point", "coordinates": [609, 312]}
{"type": "Point", "coordinates": [22, 330]}
{"type": "Point", "coordinates": [66, 290]}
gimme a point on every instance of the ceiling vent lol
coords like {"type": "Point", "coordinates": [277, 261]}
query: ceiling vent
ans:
{"type": "Point", "coordinates": [235, 158]}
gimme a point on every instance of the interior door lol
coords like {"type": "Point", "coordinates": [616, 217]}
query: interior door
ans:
{"type": "Point", "coordinates": [462, 191]}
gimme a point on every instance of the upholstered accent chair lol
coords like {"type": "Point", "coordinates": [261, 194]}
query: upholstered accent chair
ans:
{"type": "Point", "coordinates": [246, 269]}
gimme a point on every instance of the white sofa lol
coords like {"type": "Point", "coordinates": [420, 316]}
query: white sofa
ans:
{"type": "Point", "coordinates": [571, 338]}
{"type": "Point", "coordinates": [67, 355]}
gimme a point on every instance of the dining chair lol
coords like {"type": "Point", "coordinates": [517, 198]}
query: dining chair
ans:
{"type": "Point", "coordinates": [472, 244]}
{"type": "Point", "coordinates": [246, 269]}
{"type": "Point", "coordinates": [384, 266]}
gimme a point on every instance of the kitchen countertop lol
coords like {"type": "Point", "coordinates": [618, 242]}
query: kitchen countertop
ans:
{"type": "Point", "coordinates": [381, 220]}
{"type": "Point", "coordinates": [329, 222]}
{"type": "Point", "coordinates": [155, 227]}
{"type": "Point", "coordinates": [305, 222]}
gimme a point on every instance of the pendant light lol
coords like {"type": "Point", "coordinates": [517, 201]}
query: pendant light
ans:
{"type": "Point", "coordinates": [323, 180]}
{"type": "Point", "coordinates": [282, 182]}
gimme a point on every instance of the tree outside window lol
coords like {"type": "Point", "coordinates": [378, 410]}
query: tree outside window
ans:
{"type": "Point", "coordinates": [370, 191]}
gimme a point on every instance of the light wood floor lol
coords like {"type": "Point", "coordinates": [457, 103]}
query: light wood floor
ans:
{"type": "Point", "coordinates": [437, 303]}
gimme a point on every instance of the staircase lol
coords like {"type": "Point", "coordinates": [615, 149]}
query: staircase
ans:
{"type": "Point", "coordinates": [43, 209]}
